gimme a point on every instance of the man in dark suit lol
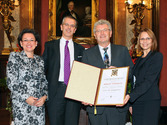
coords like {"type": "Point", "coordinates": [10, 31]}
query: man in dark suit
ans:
{"type": "Point", "coordinates": [62, 111]}
{"type": "Point", "coordinates": [110, 57]}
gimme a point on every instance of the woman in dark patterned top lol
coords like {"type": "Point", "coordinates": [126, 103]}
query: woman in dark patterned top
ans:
{"type": "Point", "coordinates": [27, 82]}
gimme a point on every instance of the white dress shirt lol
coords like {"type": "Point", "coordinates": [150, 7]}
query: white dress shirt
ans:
{"type": "Point", "coordinates": [62, 49]}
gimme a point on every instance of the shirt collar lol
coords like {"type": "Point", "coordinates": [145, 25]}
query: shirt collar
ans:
{"type": "Point", "coordinates": [101, 48]}
{"type": "Point", "coordinates": [64, 40]}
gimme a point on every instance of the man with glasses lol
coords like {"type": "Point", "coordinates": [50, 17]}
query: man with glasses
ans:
{"type": "Point", "coordinates": [106, 55]}
{"type": "Point", "coordinates": [58, 57]}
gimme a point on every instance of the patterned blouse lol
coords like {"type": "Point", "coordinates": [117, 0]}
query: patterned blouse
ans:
{"type": "Point", "coordinates": [25, 78]}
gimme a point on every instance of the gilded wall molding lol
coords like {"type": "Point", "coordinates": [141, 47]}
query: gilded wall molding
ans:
{"type": "Point", "coordinates": [31, 13]}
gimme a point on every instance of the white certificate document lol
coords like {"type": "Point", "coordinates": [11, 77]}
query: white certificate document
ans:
{"type": "Point", "coordinates": [112, 87]}
{"type": "Point", "coordinates": [97, 86]}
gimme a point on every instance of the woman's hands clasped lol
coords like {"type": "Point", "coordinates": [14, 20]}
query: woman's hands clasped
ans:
{"type": "Point", "coordinates": [35, 101]}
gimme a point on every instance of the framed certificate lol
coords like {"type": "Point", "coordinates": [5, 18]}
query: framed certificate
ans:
{"type": "Point", "coordinates": [97, 86]}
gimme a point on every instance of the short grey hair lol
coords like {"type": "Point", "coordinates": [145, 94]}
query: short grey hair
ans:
{"type": "Point", "coordinates": [101, 22]}
{"type": "Point", "coordinates": [70, 17]}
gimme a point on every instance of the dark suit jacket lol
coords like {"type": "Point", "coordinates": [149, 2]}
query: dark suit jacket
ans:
{"type": "Point", "coordinates": [119, 57]}
{"type": "Point", "coordinates": [147, 77]}
{"type": "Point", "coordinates": [51, 57]}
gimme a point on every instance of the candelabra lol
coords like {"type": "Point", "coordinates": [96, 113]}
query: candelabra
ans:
{"type": "Point", "coordinates": [137, 11]}
{"type": "Point", "coordinates": [6, 8]}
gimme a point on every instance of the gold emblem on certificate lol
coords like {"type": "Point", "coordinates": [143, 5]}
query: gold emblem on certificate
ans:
{"type": "Point", "coordinates": [114, 72]}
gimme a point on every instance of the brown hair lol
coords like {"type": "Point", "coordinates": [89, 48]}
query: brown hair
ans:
{"type": "Point", "coordinates": [152, 36]}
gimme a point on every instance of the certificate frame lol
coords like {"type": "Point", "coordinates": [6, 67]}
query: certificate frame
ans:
{"type": "Point", "coordinates": [113, 91]}
{"type": "Point", "coordinates": [85, 82]}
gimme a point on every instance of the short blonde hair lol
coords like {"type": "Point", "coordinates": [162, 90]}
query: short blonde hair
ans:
{"type": "Point", "coordinates": [152, 36]}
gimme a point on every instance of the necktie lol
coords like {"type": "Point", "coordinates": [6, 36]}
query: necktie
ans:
{"type": "Point", "coordinates": [106, 58]}
{"type": "Point", "coordinates": [66, 63]}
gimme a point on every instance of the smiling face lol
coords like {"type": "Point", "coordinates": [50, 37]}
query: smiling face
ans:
{"type": "Point", "coordinates": [68, 28]}
{"type": "Point", "coordinates": [28, 43]}
{"type": "Point", "coordinates": [145, 42]}
{"type": "Point", "coordinates": [103, 34]}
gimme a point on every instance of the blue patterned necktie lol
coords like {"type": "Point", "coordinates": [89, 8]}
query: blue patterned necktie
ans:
{"type": "Point", "coordinates": [106, 58]}
{"type": "Point", "coordinates": [66, 63]}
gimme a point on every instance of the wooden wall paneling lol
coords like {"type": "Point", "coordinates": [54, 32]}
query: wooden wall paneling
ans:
{"type": "Point", "coordinates": [1, 36]}
{"type": "Point", "coordinates": [163, 50]}
{"type": "Point", "coordinates": [3, 93]}
{"type": "Point", "coordinates": [110, 14]}
{"type": "Point", "coordinates": [3, 62]}
{"type": "Point", "coordinates": [155, 19]}
{"type": "Point", "coordinates": [37, 22]}
{"type": "Point", "coordinates": [44, 22]}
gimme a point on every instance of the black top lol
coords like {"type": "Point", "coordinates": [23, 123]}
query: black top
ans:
{"type": "Point", "coordinates": [147, 71]}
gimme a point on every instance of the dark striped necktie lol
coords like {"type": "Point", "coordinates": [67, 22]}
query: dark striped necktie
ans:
{"type": "Point", "coordinates": [106, 58]}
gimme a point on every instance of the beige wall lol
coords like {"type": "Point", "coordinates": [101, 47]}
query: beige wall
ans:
{"type": "Point", "coordinates": [122, 19]}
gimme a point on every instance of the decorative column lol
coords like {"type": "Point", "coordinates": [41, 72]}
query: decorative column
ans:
{"type": "Point", "coordinates": [44, 23]}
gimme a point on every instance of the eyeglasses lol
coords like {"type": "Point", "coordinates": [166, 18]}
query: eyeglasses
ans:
{"type": "Point", "coordinates": [142, 39]}
{"type": "Point", "coordinates": [26, 40]}
{"type": "Point", "coordinates": [103, 30]}
{"type": "Point", "coordinates": [67, 25]}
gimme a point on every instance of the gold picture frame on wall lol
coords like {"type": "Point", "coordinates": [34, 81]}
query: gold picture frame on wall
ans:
{"type": "Point", "coordinates": [54, 24]}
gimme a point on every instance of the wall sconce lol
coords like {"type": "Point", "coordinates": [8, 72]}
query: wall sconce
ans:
{"type": "Point", "coordinates": [137, 11]}
{"type": "Point", "coordinates": [6, 7]}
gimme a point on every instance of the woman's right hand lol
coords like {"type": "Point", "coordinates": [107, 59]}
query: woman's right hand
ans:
{"type": "Point", "coordinates": [31, 100]}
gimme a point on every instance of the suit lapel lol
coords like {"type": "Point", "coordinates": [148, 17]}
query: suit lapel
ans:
{"type": "Point", "coordinates": [142, 62]}
{"type": "Point", "coordinates": [98, 56]}
{"type": "Point", "coordinates": [113, 56]}
{"type": "Point", "coordinates": [76, 51]}
{"type": "Point", "coordinates": [57, 51]}
{"type": "Point", "coordinates": [137, 61]}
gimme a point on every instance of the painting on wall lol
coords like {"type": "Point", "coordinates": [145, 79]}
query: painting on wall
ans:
{"type": "Point", "coordinates": [86, 13]}
{"type": "Point", "coordinates": [80, 10]}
